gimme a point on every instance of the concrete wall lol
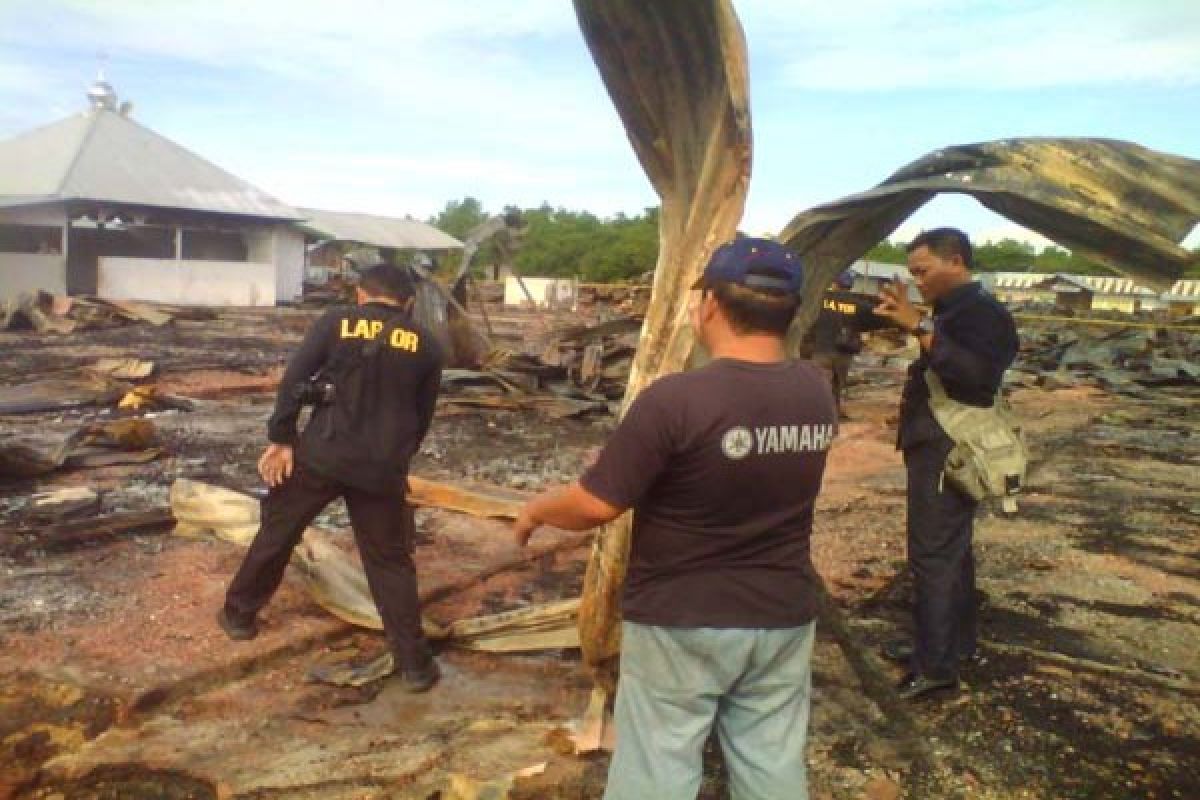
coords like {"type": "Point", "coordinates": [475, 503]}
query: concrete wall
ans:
{"type": "Point", "coordinates": [289, 264]}
{"type": "Point", "coordinates": [557, 293]}
{"type": "Point", "coordinates": [20, 273]}
{"type": "Point", "coordinates": [190, 283]}
{"type": "Point", "coordinates": [1127, 305]}
{"type": "Point", "coordinates": [283, 246]}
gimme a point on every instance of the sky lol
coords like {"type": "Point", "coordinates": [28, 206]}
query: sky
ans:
{"type": "Point", "coordinates": [397, 107]}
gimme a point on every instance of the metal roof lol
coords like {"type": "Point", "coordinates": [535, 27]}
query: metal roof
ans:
{"type": "Point", "coordinates": [1100, 284]}
{"type": "Point", "coordinates": [376, 231]}
{"type": "Point", "coordinates": [1062, 281]}
{"type": "Point", "coordinates": [100, 155]}
{"type": "Point", "coordinates": [1184, 291]}
{"type": "Point", "coordinates": [881, 269]}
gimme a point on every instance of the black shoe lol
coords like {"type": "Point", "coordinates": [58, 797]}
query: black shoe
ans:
{"type": "Point", "coordinates": [916, 686]}
{"type": "Point", "coordinates": [975, 659]}
{"type": "Point", "coordinates": [421, 679]}
{"type": "Point", "coordinates": [901, 652]}
{"type": "Point", "coordinates": [240, 630]}
{"type": "Point", "coordinates": [898, 650]}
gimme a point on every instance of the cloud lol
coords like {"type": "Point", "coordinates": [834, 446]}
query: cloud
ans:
{"type": "Point", "coordinates": [439, 62]}
{"type": "Point", "coordinates": [1023, 44]}
{"type": "Point", "coordinates": [399, 105]}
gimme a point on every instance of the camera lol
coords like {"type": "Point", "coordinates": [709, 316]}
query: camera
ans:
{"type": "Point", "coordinates": [315, 392]}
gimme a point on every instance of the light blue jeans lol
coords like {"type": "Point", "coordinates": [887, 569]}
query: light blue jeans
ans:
{"type": "Point", "coordinates": [676, 682]}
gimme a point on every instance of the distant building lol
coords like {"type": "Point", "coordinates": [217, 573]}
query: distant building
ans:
{"type": "Point", "coordinates": [98, 204]}
{"type": "Point", "coordinates": [1070, 292]}
{"type": "Point", "coordinates": [561, 294]}
{"type": "Point", "coordinates": [871, 276]}
{"type": "Point", "coordinates": [1090, 292]}
{"type": "Point", "coordinates": [340, 239]}
{"type": "Point", "coordinates": [1182, 299]}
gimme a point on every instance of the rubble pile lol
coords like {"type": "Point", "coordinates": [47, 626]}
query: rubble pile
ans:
{"type": "Point", "coordinates": [630, 299]}
{"type": "Point", "coordinates": [48, 313]}
{"type": "Point", "coordinates": [565, 372]}
{"type": "Point", "coordinates": [1125, 360]}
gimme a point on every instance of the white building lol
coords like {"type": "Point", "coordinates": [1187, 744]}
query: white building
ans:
{"type": "Point", "coordinates": [98, 204]}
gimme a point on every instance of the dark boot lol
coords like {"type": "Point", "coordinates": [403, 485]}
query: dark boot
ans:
{"type": "Point", "coordinates": [421, 679]}
{"type": "Point", "coordinates": [238, 628]}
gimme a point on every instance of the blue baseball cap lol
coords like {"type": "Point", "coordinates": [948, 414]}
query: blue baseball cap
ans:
{"type": "Point", "coordinates": [755, 264]}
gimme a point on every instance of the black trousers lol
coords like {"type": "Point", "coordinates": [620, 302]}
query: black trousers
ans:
{"type": "Point", "coordinates": [836, 367]}
{"type": "Point", "coordinates": [383, 530]}
{"type": "Point", "coordinates": [940, 523]}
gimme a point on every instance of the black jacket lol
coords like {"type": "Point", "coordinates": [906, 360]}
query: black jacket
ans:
{"type": "Point", "coordinates": [386, 372]}
{"type": "Point", "coordinates": [974, 342]}
{"type": "Point", "coordinates": [839, 326]}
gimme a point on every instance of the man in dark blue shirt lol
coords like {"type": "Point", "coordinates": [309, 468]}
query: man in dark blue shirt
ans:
{"type": "Point", "coordinates": [721, 466]}
{"type": "Point", "coordinates": [968, 343]}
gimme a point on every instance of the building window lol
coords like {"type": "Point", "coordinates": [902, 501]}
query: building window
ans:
{"type": "Point", "coordinates": [202, 245]}
{"type": "Point", "coordinates": [31, 239]}
{"type": "Point", "coordinates": [136, 242]}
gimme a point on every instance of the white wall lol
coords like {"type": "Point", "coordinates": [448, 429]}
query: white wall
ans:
{"type": "Point", "coordinates": [546, 292]}
{"type": "Point", "coordinates": [289, 264]}
{"type": "Point", "coordinates": [283, 246]}
{"type": "Point", "coordinates": [20, 273]}
{"type": "Point", "coordinates": [189, 283]}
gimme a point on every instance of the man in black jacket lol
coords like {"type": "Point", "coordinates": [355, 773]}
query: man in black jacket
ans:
{"type": "Point", "coordinates": [835, 338]}
{"type": "Point", "coordinates": [968, 343]}
{"type": "Point", "coordinates": [372, 376]}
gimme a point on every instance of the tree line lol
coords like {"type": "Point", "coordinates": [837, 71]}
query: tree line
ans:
{"type": "Point", "coordinates": [560, 243]}
{"type": "Point", "coordinates": [578, 244]}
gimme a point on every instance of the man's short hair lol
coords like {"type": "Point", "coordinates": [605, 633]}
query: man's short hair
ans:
{"type": "Point", "coordinates": [386, 280]}
{"type": "Point", "coordinates": [945, 243]}
{"type": "Point", "coordinates": [755, 310]}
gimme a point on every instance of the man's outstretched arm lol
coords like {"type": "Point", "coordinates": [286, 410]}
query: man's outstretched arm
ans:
{"type": "Point", "coordinates": [569, 507]}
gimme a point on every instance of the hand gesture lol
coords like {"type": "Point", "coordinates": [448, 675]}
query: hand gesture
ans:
{"type": "Point", "coordinates": [895, 305]}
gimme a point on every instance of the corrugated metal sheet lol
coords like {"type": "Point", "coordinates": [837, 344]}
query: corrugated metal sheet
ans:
{"type": "Point", "coordinates": [100, 155]}
{"type": "Point", "coordinates": [1015, 280]}
{"type": "Point", "coordinates": [1063, 282]}
{"type": "Point", "coordinates": [1183, 291]}
{"type": "Point", "coordinates": [1100, 284]}
{"type": "Point", "coordinates": [376, 231]}
{"type": "Point", "coordinates": [1115, 286]}
{"type": "Point", "coordinates": [881, 269]}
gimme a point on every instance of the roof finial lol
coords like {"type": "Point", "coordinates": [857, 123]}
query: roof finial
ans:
{"type": "Point", "coordinates": [101, 95]}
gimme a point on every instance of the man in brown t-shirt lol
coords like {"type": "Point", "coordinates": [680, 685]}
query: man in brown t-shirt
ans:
{"type": "Point", "coordinates": [721, 467]}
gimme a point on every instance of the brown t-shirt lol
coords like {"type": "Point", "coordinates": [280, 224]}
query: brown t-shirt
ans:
{"type": "Point", "coordinates": [721, 466]}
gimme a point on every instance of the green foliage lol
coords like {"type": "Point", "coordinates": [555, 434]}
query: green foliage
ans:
{"type": "Point", "coordinates": [1056, 259]}
{"type": "Point", "coordinates": [1006, 255]}
{"type": "Point", "coordinates": [887, 252]}
{"type": "Point", "coordinates": [570, 244]}
{"type": "Point", "coordinates": [578, 244]}
{"type": "Point", "coordinates": [459, 217]}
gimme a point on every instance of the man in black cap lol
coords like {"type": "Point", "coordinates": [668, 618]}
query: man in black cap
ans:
{"type": "Point", "coordinates": [968, 343]}
{"type": "Point", "coordinates": [836, 336]}
{"type": "Point", "coordinates": [721, 466]}
{"type": "Point", "coordinates": [372, 376]}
